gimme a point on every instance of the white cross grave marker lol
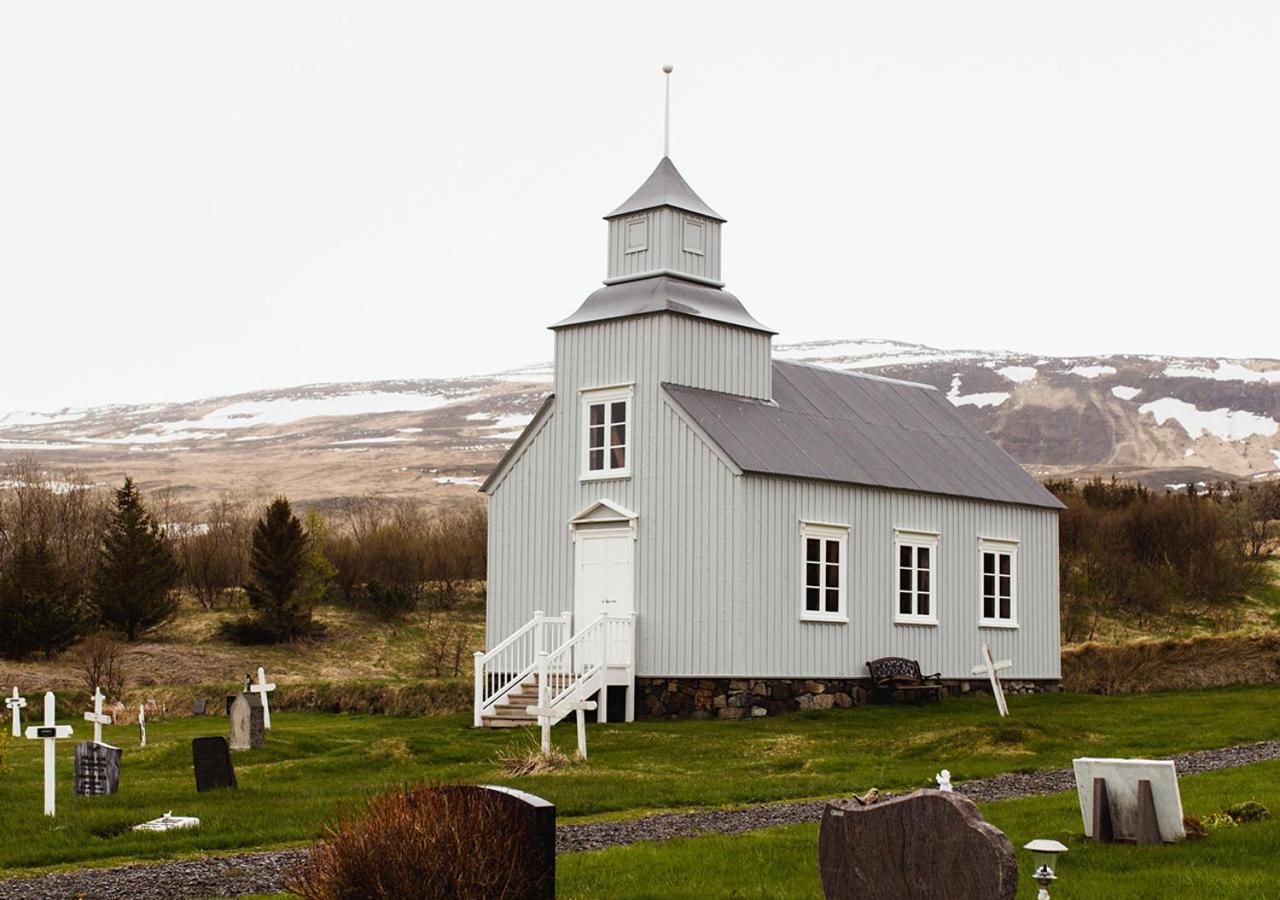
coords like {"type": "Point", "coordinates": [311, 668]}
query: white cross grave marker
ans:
{"type": "Point", "coordinates": [263, 688]}
{"type": "Point", "coordinates": [142, 725]}
{"type": "Point", "coordinates": [16, 703]}
{"type": "Point", "coordinates": [97, 717]}
{"type": "Point", "coordinates": [50, 732]}
{"type": "Point", "coordinates": [991, 669]}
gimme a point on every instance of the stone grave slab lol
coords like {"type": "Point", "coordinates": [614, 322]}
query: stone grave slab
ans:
{"type": "Point", "coordinates": [1112, 795]}
{"type": "Point", "coordinates": [96, 769]}
{"type": "Point", "coordinates": [199, 707]}
{"type": "Point", "coordinates": [211, 759]}
{"type": "Point", "coordinates": [248, 729]}
{"type": "Point", "coordinates": [533, 822]}
{"type": "Point", "coordinates": [928, 845]}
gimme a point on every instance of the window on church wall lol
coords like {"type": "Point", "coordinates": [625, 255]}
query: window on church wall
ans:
{"type": "Point", "coordinates": [998, 583]}
{"type": "Point", "coordinates": [694, 240]}
{"type": "Point", "coordinates": [824, 550]}
{"type": "Point", "coordinates": [916, 560]}
{"type": "Point", "coordinates": [637, 234]}
{"type": "Point", "coordinates": [607, 432]}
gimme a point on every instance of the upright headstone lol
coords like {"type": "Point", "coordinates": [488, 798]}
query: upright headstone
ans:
{"type": "Point", "coordinates": [199, 707]}
{"type": "Point", "coordinates": [97, 769]}
{"type": "Point", "coordinates": [263, 688]}
{"type": "Point", "coordinates": [247, 731]}
{"type": "Point", "coordinates": [15, 704]}
{"type": "Point", "coordinates": [97, 716]}
{"type": "Point", "coordinates": [211, 759]}
{"type": "Point", "coordinates": [531, 822]}
{"type": "Point", "coordinates": [929, 843]}
{"type": "Point", "coordinates": [50, 732]}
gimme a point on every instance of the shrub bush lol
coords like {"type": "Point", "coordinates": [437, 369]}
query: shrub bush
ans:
{"type": "Point", "coordinates": [424, 841]}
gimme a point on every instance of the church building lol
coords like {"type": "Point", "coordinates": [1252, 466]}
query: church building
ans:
{"type": "Point", "coordinates": [691, 527]}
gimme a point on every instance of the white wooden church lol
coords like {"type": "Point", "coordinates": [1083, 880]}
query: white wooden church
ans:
{"type": "Point", "coordinates": [710, 531]}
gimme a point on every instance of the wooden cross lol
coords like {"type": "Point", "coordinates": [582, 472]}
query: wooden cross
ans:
{"type": "Point", "coordinates": [16, 703]}
{"type": "Point", "coordinates": [142, 725]}
{"type": "Point", "coordinates": [263, 688]}
{"type": "Point", "coordinates": [50, 732]}
{"type": "Point", "coordinates": [991, 669]}
{"type": "Point", "coordinates": [97, 717]}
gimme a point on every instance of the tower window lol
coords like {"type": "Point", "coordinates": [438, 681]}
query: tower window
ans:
{"type": "Point", "coordinates": [637, 235]}
{"type": "Point", "coordinates": [606, 432]}
{"type": "Point", "coordinates": [694, 236]}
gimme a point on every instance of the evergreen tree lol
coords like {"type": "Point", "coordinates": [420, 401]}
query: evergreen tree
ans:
{"type": "Point", "coordinates": [277, 573]}
{"type": "Point", "coordinates": [39, 604]}
{"type": "Point", "coordinates": [133, 587]}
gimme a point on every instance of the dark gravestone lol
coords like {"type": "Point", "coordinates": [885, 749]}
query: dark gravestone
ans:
{"type": "Point", "coordinates": [928, 845]}
{"type": "Point", "coordinates": [248, 731]}
{"type": "Point", "coordinates": [97, 769]}
{"type": "Point", "coordinates": [531, 823]}
{"type": "Point", "coordinates": [211, 758]}
{"type": "Point", "coordinates": [200, 707]}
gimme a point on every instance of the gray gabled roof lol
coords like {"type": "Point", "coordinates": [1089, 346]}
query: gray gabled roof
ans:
{"type": "Point", "coordinates": [663, 293]}
{"type": "Point", "coordinates": [860, 429]}
{"type": "Point", "coordinates": [665, 187]}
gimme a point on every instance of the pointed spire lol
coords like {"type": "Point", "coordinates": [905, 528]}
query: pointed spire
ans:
{"type": "Point", "coordinates": [666, 115]}
{"type": "Point", "coordinates": [665, 187]}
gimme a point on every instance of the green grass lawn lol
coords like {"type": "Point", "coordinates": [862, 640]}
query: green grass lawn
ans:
{"type": "Point", "coordinates": [1242, 862]}
{"type": "Point", "coordinates": [314, 763]}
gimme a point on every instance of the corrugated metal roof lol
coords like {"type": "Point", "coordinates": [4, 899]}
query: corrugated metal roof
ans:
{"type": "Point", "coordinates": [860, 429]}
{"type": "Point", "coordinates": [663, 293]}
{"type": "Point", "coordinates": [665, 186]}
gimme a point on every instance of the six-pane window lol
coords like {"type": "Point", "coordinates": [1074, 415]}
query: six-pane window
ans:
{"type": "Point", "coordinates": [999, 570]}
{"type": "Point", "coordinates": [915, 565]}
{"type": "Point", "coordinates": [825, 550]}
{"type": "Point", "coordinates": [607, 418]}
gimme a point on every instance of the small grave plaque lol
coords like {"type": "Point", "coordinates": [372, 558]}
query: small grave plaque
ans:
{"type": "Point", "coordinates": [200, 707]}
{"type": "Point", "coordinates": [211, 759]}
{"type": "Point", "coordinates": [247, 727]}
{"type": "Point", "coordinates": [97, 769]}
{"type": "Point", "coordinates": [928, 844]}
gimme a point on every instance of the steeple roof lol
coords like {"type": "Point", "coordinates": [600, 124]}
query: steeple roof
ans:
{"type": "Point", "coordinates": [666, 187]}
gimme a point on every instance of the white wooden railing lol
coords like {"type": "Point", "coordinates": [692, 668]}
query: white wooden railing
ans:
{"type": "Point", "coordinates": [500, 670]}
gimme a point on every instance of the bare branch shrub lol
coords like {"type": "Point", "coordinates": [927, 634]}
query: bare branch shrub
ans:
{"type": "Point", "coordinates": [426, 841]}
{"type": "Point", "coordinates": [100, 660]}
{"type": "Point", "coordinates": [214, 554]}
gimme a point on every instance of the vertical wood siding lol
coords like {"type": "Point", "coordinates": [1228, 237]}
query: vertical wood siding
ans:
{"type": "Point", "coordinates": [665, 246]}
{"type": "Point", "coordinates": [718, 560]}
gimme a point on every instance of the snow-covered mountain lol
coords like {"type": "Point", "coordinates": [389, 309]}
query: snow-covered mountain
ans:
{"type": "Point", "coordinates": [1163, 420]}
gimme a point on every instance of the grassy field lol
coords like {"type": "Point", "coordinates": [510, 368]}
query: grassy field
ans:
{"type": "Point", "coordinates": [314, 763]}
{"type": "Point", "coordinates": [1240, 862]}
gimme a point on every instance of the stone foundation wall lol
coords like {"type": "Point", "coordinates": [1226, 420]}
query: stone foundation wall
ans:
{"type": "Point", "coordinates": [739, 698]}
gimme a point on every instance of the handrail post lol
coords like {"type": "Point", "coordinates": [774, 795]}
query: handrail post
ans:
{"type": "Point", "coordinates": [602, 707]}
{"type": "Point", "coordinates": [568, 623]}
{"type": "Point", "coordinates": [543, 720]}
{"type": "Point", "coordinates": [631, 672]}
{"type": "Point", "coordinates": [538, 626]}
{"type": "Point", "coordinates": [479, 688]}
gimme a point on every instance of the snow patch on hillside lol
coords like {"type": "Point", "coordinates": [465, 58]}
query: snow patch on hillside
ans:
{"type": "Point", "coordinates": [383, 439]}
{"type": "Point", "coordinates": [1225, 371]}
{"type": "Point", "coordinates": [1018, 374]}
{"type": "Point", "coordinates": [1228, 424]}
{"type": "Point", "coordinates": [27, 417]}
{"type": "Point", "coordinates": [992, 398]}
{"type": "Point", "coordinates": [456, 479]}
{"type": "Point", "coordinates": [1091, 371]}
{"type": "Point", "coordinates": [1125, 393]}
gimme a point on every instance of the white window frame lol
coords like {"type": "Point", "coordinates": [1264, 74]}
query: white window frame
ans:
{"type": "Point", "coordinates": [824, 531]}
{"type": "Point", "coordinates": [686, 246]}
{"type": "Point", "coordinates": [906, 537]}
{"type": "Point", "coordinates": [607, 395]}
{"type": "Point", "coordinates": [998, 545]}
{"type": "Point", "coordinates": [627, 246]}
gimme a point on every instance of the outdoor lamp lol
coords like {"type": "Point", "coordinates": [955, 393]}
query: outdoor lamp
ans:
{"type": "Point", "coordinates": [1044, 854]}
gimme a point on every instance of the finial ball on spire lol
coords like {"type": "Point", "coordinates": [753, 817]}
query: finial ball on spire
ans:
{"type": "Point", "coordinates": [667, 68]}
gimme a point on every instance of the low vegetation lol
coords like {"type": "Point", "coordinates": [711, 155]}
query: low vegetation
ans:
{"type": "Point", "coordinates": [314, 766]}
{"type": "Point", "coordinates": [1231, 863]}
{"type": "Point", "coordinates": [1172, 664]}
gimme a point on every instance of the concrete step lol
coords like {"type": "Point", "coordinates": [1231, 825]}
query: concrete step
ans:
{"type": "Point", "coordinates": [496, 722]}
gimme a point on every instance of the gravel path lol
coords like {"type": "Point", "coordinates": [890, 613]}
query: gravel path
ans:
{"type": "Point", "coordinates": [229, 876]}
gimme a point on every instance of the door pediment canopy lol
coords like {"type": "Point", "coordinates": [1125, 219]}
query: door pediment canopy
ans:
{"type": "Point", "coordinates": [604, 512]}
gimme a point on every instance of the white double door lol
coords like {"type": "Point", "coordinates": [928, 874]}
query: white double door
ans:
{"type": "Point", "coordinates": [604, 584]}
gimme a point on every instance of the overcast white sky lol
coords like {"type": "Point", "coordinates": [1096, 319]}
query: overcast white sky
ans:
{"type": "Point", "coordinates": [206, 198]}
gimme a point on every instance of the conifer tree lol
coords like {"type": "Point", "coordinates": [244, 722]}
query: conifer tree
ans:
{"type": "Point", "coordinates": [39, 603]}
{"type": "Point", "coordinates": [277, 567]}
{"type": "Point", "coordinates": [133, 586]}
